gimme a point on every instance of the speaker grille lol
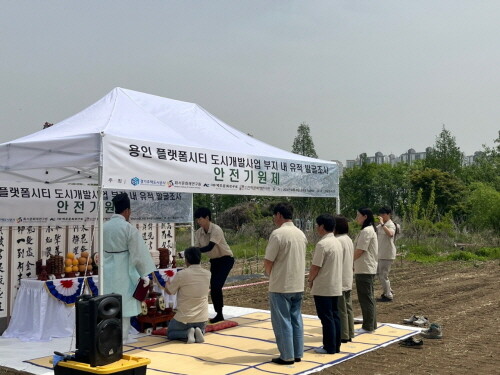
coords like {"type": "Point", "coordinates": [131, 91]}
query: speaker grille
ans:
{"type": "Point", "coordinates": [109, 337]}
{"type": "Point", "coordinates": [99, 329]}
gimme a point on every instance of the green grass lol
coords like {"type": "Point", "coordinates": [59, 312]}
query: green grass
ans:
{"type": "Point", "coordinates": [425, 255]}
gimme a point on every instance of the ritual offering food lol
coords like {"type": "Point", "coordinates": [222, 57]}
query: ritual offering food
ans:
{"type": "Point", "coordinates": [55, 265]}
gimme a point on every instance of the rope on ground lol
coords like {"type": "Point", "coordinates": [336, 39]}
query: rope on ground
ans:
{"type": "Point", "coordinates": [250, 284]}
{"type": "Point", "coordinates": [244, 285]}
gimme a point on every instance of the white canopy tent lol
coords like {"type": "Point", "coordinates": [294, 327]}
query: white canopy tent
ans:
{"type": "Point", "coordinates": [130, 140]}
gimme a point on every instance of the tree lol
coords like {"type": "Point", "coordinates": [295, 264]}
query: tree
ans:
{"type": "Point", "coordinates": [445, 155]}
{"type": "Point", "coordinates": [374, 185]}
{"type": "Point", "coordinates": [448, 189]}
{"type": "Point", "coordinates": [305, 208]}
{"type": "Point", "coordinates": [483, 205]}
{"type": "Point", "coordinates": [486, 167]}
{"type": "Point", "coordinates": [303, 143]}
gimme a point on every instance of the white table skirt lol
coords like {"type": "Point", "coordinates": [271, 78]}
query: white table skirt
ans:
{"type": "Point", "coordinates": [37, 316]}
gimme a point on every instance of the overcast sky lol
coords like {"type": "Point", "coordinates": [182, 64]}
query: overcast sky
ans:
{"type": "Point", "coordinates": [366, 76]}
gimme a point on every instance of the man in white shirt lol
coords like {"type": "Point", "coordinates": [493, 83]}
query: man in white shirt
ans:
{"type": "Point", "coordinates": [386, 252]}
{"type": "Point", "coordinates": [285, 262]}
{"type": "Point", "coordinates": [325, 281]}
{"type": "Point", "coordinates": [191, 286]}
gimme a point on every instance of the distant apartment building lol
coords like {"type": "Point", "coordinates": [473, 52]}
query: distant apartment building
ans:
{"type": "Point", "coordinates": [408, 157]}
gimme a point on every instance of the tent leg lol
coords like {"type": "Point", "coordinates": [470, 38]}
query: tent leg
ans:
{"type": "Point", "coordinates": [100, 221]}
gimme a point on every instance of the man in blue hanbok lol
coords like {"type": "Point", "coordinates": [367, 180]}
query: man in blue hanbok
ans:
{"type": "Point", "coordinates": [126, 259]}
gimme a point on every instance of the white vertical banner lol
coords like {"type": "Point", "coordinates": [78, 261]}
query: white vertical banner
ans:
{"type": "Point", "coordinates": [166, 234]}
{"type": "Point", "coordinates": [79, 239]}
{"type": "Point", "coordinates": [148, 233]}
{"type": "Point", "coordinates": [4, 263]}
{"type": "Point", "coordinates": [24, 256]}
{"type": "Point", "coordinates": [53, 240]}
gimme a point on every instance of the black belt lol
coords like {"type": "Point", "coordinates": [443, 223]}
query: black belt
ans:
{"type": "Point", "coordinates": [115, 252]}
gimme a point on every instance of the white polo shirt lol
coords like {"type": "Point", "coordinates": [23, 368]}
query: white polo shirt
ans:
{"type": "Point", "coordinates": [328, 255]}
{"type": "Point", "coordinates": [366, 240]}
{"type": "Point", "coordinates": [287, 249]}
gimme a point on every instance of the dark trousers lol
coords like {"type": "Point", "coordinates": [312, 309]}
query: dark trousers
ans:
{"type": "Point", "coordinates": [366, 298]}
{"type": "Point", "coordinates": [220, 268]}
{"type": "Point", "coordinates": [328, 312]}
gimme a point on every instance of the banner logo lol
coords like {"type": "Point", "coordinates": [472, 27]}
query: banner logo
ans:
{"type": "Point", "coordinates": [135, 181]}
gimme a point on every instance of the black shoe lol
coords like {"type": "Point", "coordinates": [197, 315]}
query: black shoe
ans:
{"type": "Point", "coordinates": [344, 341]}
{"type": "Point", "coordinates": [279, 361]}
{"type": "Point", "coordinates": [410, 342]}
{"type": "Point", "coordinates": [216, 319]}
{"type": "Point", "coordinates": [383, 298]}
{"type": "Point", "coordinates": [298, 359]}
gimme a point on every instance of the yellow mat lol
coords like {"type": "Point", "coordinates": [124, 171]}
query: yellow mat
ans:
{"type": "Point", "coordinates": [247, 349]}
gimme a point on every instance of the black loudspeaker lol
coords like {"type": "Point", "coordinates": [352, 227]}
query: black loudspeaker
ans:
{"type": "Point", "coordinates": [99, 329]}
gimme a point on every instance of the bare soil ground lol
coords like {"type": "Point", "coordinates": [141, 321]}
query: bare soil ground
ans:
{"type": "Point", "coordinates": [463, 297]}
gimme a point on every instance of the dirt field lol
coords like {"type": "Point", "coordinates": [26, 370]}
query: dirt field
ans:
{"type": "Point", "coordinates": [463, 297]}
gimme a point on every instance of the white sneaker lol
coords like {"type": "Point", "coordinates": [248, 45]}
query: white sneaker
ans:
{"type": "Point", "coordinates": [362, 330]}
{"type": "Point", "coordinates": [129, 340]}
{"type": "Point", "coordinates": [198, 335]}
{"type": "Point", "coordinates": [422, 321]}
{"type": "Point", "coordinates": [190, 339]}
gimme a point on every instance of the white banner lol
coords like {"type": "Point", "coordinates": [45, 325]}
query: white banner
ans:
{"type": "Point", "coordinates": [62, 204]}
{"type": "Point", "coordinates": [158, 167]}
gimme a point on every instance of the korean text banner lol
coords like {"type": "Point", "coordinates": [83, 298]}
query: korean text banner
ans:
{"type": "Point", "coordinates": [63, 204]}
{"type": "Point", "coordinates": [144, 165]}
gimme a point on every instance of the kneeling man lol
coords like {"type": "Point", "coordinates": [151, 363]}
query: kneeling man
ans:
{"type": "Point", "coordinates": [191, 285]}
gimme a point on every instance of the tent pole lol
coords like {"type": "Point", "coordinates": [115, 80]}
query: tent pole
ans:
{"type": "Point", "coordinates": [192, 222]}
{"type": "Point", "coordinates": [337, 204]}
{"type": "Point", "coordinates": [100, 221]}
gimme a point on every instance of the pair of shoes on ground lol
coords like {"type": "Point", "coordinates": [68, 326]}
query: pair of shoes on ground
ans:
{"type": "Point", "coordinates": [384, 298]}
{"type": "Point", "coordinates": [280, 361]}
{"type": "Point", "coordinates": [412, 343]}
{"type": "Point", "coordinates": [418, 320]}
{"type": "Point", "coordinates": [216, 319]}
{"type": "Point", "coordinates": [433, 332]}
{"type": "Point", "coordinates": [195, 335]}
{"type": "Point", "coordinates": [362, 330]}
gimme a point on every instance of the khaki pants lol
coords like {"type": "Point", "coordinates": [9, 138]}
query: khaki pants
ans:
{"type": "Point", "coordinates": [383, 269]}
{"type": "Point", "coordinates": [346, 316]}
{"type": "Point", "coordinates": [365, 290]}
